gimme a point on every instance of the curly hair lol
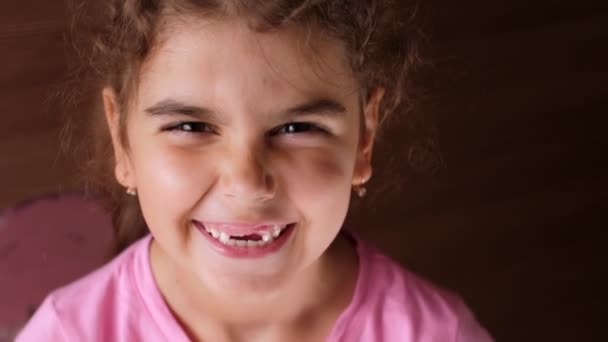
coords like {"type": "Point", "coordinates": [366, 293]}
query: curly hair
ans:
{"type": "Point", "coordinates": [115, 37]}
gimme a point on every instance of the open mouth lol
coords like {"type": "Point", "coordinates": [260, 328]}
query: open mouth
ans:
{"type": "Point", "coordinates": [259, 239]}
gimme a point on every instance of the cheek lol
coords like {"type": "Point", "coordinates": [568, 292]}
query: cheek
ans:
{"type": "Point", "coordinates": [173, 172]}
{"type": "Point", "coordinates": [318, 181]}
{"type": "Point", "coordinates": [170, 182]}
{"type": "Point", "coordinates": [319, 186]}
{"type": "Point", "coordinates": [315, 173]}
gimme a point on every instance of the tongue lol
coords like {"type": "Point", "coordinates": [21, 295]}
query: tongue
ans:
{"type": "Point", "coordinates": [252, 237]}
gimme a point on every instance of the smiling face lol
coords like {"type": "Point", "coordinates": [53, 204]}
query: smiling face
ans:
{"type": "Point", "coordinates": [237, 134]}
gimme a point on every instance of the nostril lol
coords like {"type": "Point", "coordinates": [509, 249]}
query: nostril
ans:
{"type": "Point", "coordinates": [250, 188]}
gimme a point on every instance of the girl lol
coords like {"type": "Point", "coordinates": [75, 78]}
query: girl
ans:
{"type": "Point", "coordinates": [238, 129]}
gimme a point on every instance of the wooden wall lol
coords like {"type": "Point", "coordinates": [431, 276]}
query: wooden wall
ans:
{"type": "Point", "coordinates": [32, 62]}
{"type": "Point", "coordinates": [514, 221]}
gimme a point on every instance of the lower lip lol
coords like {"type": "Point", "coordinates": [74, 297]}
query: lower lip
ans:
{"type": "Point", "coordinates": [248, 252]}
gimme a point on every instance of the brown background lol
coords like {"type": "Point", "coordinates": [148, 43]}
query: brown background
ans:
{"type": "Point", "coordinates": [514, 222]}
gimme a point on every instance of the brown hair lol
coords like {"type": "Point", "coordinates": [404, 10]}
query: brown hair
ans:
{"type": "Point", "coordinates": [114, 38]}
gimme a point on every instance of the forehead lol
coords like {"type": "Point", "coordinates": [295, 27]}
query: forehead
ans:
{"type": "Point", "coordinates": [220, 59]}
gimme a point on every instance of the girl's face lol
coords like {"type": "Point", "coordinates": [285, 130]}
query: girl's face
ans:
{"type": "Point", "coordinates": [235, 137]}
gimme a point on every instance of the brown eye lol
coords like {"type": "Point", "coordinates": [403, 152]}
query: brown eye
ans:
{"type": "Point", "coordinates": [191, 127]}
{"type": "Point", "coordinates": [298, 127]}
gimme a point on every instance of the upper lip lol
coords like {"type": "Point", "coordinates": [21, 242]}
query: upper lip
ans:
{"type": "Point", "coordinates": [232, 228]}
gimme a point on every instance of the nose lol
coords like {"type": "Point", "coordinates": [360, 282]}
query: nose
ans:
{"type": "Point", "coordinates": [245, 175]}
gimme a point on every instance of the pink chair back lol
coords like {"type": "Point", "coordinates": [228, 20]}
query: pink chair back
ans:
{"type": "Point", "coordinates": [45, 243]}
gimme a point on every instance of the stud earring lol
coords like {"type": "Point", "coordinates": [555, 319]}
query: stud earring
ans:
{"type": "Point", "coordinates": [359, 189]}
{"type": "Point", "coordinates": [131, 191]}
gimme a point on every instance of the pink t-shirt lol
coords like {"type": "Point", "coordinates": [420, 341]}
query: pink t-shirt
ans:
{"type": "Point", "coordinates": [121, 302]}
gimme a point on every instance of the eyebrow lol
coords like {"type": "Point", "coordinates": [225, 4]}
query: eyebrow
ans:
{"type": "Point", "coordinates": [173, 107]}
{"type": "Point", "coordinates": [323, 106]}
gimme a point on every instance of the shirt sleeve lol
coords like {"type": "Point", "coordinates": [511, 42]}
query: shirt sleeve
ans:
{"type": "Point", "coordinates": [43, 326]}
{"type": "Point", "coordinates": [469, 329]}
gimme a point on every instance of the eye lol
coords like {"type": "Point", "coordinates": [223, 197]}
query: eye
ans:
{"type": "Point", "coordinates": [298, 127]}
{"type": "Point", "coordinates": [190, 127]}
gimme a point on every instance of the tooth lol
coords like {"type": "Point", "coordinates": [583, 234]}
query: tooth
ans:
{"type": "Point", "coordinates": [231, 242]}
{"type": "Point", "coordinates": [241, 243]}
{"type": "Point", "coordinates": [266, 237]}
{"type": "Point", "coordinates": [251, 243]}
{"type": "Point", "coordinates": [261, 243]}
{"type": "Point", "coordinates": [276, 233]}
{"type": "Point", "coordinates": [215, 233]}
{"type": "Point", "coordinates": [224, 238]}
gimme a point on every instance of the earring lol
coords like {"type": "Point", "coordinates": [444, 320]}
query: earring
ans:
{"type": "Point", "coordinates": [131, 191]}
{"type": "Point", "coordinates": [359, 189]}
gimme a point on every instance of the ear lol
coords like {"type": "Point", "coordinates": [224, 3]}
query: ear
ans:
{"type": "Point", "coordinates": [123, 170]}
{"type": "Point", "coordinates": [371, 113]}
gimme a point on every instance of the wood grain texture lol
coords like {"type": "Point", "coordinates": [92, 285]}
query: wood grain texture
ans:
{"type": "Point", "coordinates": [514, 222]}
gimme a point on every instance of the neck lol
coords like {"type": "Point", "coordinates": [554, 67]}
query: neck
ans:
{"type": "Point", "coordinates": [320, 291]}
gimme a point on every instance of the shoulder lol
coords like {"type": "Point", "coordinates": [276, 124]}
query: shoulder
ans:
{"type": "Point", "coordinates": [399, 305]}
{"type": "Point", "coordinates": [44, 325]}
{"type": "Point", "coordinates": [109, 284]}
{"type": "Point", "coordinates": [75, 310]}
{"type": "Point", "coordinates": [405, 290]}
